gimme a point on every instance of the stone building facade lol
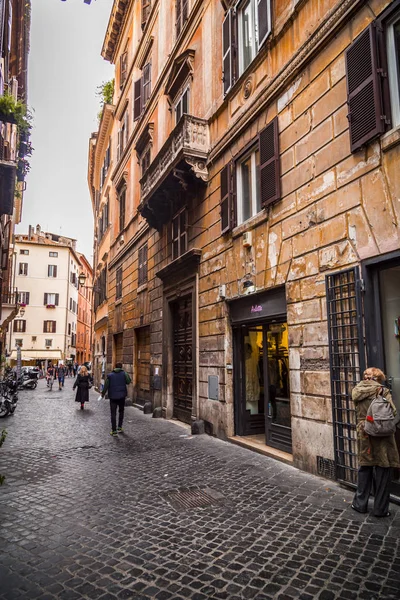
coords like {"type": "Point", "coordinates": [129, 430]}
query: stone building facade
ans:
{"type": "Point", "coordinates": [84, 314]}
{"type": "Point", "coordinates": [255, 202]}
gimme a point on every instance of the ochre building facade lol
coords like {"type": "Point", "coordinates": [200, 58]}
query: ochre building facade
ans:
{"type": "Point", "coordinates": [254, 254]}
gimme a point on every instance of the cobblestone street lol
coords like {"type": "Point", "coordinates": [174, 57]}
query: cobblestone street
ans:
{"type": "Point", "coordinates": [85, 515]}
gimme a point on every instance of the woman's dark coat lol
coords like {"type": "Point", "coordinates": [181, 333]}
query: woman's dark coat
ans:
{"type": "Point", "coordinates": [82, 382]}
{"type": "Point", "coordinates": [373, 451]}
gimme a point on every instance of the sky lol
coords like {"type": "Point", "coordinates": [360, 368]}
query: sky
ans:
{"type": "Point", "coordinates": [65, 69]}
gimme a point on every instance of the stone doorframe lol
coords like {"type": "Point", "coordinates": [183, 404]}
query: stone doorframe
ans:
{"type": "Point", "coordinates": [180, 279]}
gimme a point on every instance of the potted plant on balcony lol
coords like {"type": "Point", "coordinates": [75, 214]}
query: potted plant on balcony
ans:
{"type": "Point", "coordinates": [50, 305]}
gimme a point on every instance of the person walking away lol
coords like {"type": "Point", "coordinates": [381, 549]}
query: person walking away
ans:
{"type": "Point", "coordinates": [83, 383]}
{"type": "Point", "coordinates": [51, 372]}
{"type": "Point", "coordinates": [115, 385]}
{"type": "Point", "coordinates": [61, 376]}
{"type": "Point", "coordinates": [377, 456]}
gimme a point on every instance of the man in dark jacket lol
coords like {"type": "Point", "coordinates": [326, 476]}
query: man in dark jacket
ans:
{"type": "Point", "coordinates": [115, 385]}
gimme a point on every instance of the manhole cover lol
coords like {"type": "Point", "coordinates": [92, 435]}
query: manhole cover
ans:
{"type": "Point", "coordinates": [186, 498]}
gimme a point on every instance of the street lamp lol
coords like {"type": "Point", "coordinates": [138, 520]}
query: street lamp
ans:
{"type": "Point", "coordinates": [21, 311]}
{"type": "Point", "coordinates": [82, 279]}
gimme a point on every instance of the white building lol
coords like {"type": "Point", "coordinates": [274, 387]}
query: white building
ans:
{"type": "Point", "coordinates": [46, 277]}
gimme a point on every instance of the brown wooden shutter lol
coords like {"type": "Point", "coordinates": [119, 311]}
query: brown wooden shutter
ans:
{"type": "Point", "coordinates": [137, 99]}
{"type": "Point", "coordinates": [55, 271]}
{"type": "Point", "coordinates": [27, 294]}
{"type": "Point", "coordinates": [264, 20]}
{"type": "Point", "coordinates": [53, 326]}
{"type": "Point", "coordinates": [24, 326]}
{"type": "Point", "coordinates": [226, 198]}
{"type": "Point", "coordinates": [178, 22]}
{"type": "Point", "coordinates": [364, 94]}
{"type": "Point", "coordinates": [146, 5]}
{"type": "Point", "coordinates": [57, 299]}
{"type": "Point", "coordinates": [123, 68]}
{"type": "Point", "coordinates": [44, 326]}
{"type": "Point", "coordinates": [270, 188]}
{"type": "Point", "coordinates": [146, 83]}
{"type": "Point", "coordinates": [45, 299]}
{"type": "Point", "coordinates": [185, 11]}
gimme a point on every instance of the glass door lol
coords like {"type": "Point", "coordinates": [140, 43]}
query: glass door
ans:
{"type": "Point", "coordinates": [389, 281]}
{"type": "Point", "coordinates": [253, 404]}
{"type": "Point", "coordinates": [278, 418]}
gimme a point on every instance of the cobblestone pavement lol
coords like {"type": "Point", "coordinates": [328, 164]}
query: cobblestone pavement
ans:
{"type": "Point", "coordinates": [85, 515]}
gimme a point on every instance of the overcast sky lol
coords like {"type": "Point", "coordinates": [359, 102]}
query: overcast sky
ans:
{"type": "Point", "coordinates": [65, 68]}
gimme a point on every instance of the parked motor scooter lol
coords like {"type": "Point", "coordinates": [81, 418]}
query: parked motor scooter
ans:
{"type": "Point", "coordinates": [27, 384]}
{"type": "Point", "coordinates": [8, 396]}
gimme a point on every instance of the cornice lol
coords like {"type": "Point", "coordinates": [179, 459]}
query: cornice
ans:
{"type": "Point", "coordinates": [325, 31]}
{"type": "Point", "coordinates": [116, 23]}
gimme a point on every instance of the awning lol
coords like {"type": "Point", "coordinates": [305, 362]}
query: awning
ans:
{"type": "Point", "coordinates": [37, 355]}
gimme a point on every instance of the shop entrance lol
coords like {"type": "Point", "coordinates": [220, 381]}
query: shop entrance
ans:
{"type": "Point", "coordinates": [382, 326]}
{"type": "Point", "coordinates": [261, 365]}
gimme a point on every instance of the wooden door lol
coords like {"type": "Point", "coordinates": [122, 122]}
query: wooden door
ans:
{"type": "Point", "coordinates": [183, 358]}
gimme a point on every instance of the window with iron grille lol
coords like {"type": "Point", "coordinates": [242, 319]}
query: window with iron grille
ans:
{"type": "Point", "coordinates": [23, 269]}
{"type": "Point", "coordinates": [179, 233]}
{"type": "Point", "coordinates": [122, 202]}
{"type": "Point", "coordinates": [118, 283]}
{"type": "Point", "coordinates": [49, 326]}
{"type": "Point", "coordinates": [52, 271]}
{"type": "Point", "coordinates": [20, 325]}
{"type": "Point", "coordinates": [142, 267]}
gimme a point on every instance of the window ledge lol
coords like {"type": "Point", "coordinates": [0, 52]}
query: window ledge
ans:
{"type": "Point", "coordinates": [118, 302]}
{"type": "Point", "coordinates": [390, 139]}
{"type": "Point", "coordinates": [252, 222]}
{"type": "Point", "coordinates": [142, 287]}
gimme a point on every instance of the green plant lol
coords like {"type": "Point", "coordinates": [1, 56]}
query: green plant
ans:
{"type": "Point", "coordinates": [2, 440]}
{"type": "Point", "coordinates": [17, 112]}
{"type": "Point", "coordinates": [105, 91]}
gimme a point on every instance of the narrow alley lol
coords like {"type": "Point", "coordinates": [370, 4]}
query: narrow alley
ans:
{"type": "Point", "coordinates": [159, 513]}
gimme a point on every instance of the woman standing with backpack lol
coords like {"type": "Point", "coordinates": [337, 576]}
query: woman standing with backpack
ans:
{"type": "Point", "coordinates": [377, 454]}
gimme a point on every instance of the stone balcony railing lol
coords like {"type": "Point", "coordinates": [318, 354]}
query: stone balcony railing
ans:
{"type": "Point", "coordinates": [189, 142]}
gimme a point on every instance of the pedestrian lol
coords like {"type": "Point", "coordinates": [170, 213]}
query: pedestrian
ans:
{"type": "Point", "coordinates": [377, 456]}
{"type": "Point", "coordinates": [51, 371]}
{"type": "Point", "coordinates": [61, 376]}
{"type": "Point", "coordinates": [83, 383]}
{"type": "Point", "coordinates": [115, 385]}
{"type": "Point", "coordinates": [75, 368]}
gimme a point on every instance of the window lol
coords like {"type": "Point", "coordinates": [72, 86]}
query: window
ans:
{"type": "Point", "coordinates": [248, 197]}
{"type": "Point", "coordinates": [182, 105]}
{"type": "Point", "coordinates": [49, 326]}
{"type": "Point", "coordinates": [142, 91]}
{"type": "Point", "coordinates": [23, 297]}
{"type": "Point", "coordinates": [23, 269]}
{"type": "Point", "coordinates": [145, 161]}
{"type": "Point", "coordinates": [393, 56]}
{"type": "Point", "coordinates": [24, 251]}
{"type": "Point", "coordinates": [121, 199]}
{"type": "Point", "coordinates": [179, 234]}
{"type": "Point", "coordinates": [181, 14]}
{"type": "Point", "coordinates": [146, 7]}
{"type": "Point", "coordinates": [123, 68]}
{"type": "Point", "coordinates": [244, 30]}
{"type": "Point", "coordinates": [48, 343]}
{"type": "Point", "coordinates": [19, 343]}
{"type": "Point", "coordinates": [123, 134]}
{"type": "Point", "coordinates": [73, 339]}
{"type": "Point", "coordinates": [106, 166]}
{"type": "Point", "coordinates": [69, 328]}
{"type": "Point", "coordinates": [118, 283]}
{"type": "Point", "coordinates": [52, 271]}
{"type": "Point", "coordinates": [256, 178]}
{"type": "Point", "coordinates": [20, 325]}
{"type": "Point", "coordinates": [142, 267]}
{"type": "Point", "coordinates": [53, 254]}
{"type": "Point", "coordinates": [51, 299]}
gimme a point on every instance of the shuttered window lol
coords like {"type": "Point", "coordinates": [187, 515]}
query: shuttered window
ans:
{"type": "Point", "coordinates": [49, 326]}
{"type": "Point", "coordinates": [364, 95]}
{"type": "Point", "coordinates": [123, 68]}
{"type": "Point", "coordinates": [122, 202]}
{"type": "Point", "coordinates": [146, 7]}
{"type": "Point", "coordinates": [20, 325]}
{"type": "Point", "coordinates": [244, 30]}
{"type": "Point", "coordinates": [51, 299]}
{"type": "Point", "coordinates": [146, 84]}
{"type": "Point", "coordinates": [137, 99]}
{"type": "Point", "coordinates": [142, 266]}
{"type": "Point", "coordinates": [182, 11]}
{"type": "Point", "coordinates": [52, 271]}
{"type": "Point", "coordinates": [118, 284]}
{"type": "Point", "coordinates": [269, 163]}
{"type": "Point", "coordinates": [226, 198]}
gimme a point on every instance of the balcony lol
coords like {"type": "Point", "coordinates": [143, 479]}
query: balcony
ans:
{"type": "Point", "coordinates": [180, 163]}
{"type": "Point", "coordinates": [9, 308]}
{"type": "Point", "coordinates": [8, 169]}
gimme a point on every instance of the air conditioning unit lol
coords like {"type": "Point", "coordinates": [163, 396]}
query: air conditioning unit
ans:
{"type": "Point", "coordinates": [247, 241]}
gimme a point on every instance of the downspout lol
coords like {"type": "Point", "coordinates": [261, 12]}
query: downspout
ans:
{"type": "Point", "coordinates": [66, 312]}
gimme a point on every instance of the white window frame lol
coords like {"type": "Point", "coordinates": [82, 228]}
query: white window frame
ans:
{"type": "Point", "coordinates": [393, 70]}
{"type": "Point", "coordinates": [254, 185]}
{"type": "Point", "coordinates": [254, 28]}
{"type": "Point", "coordinates": [179, 101]}
{"type": "Point", "coordinates": [53, 254]}
{"type": "Point", "coordinates": [51, 269]}
{"type": "Point", "coordinates": [51, 299]}
{"type": "Point", "coordinates": [23, 297]}
{"type": "Point", "coordinates": [23, 269]}
{"type": "Point", "coordinates": [48, 342]}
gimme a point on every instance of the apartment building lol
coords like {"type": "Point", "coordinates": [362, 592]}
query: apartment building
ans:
{"type": "Point", "coordinates": [84, 314]}
{"type": "Point", "coordinates": [254, 257]}
{"type": "Point", "coordinates": [47, 267]}
{"type": "Point", "coordinates": [14, 142]}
